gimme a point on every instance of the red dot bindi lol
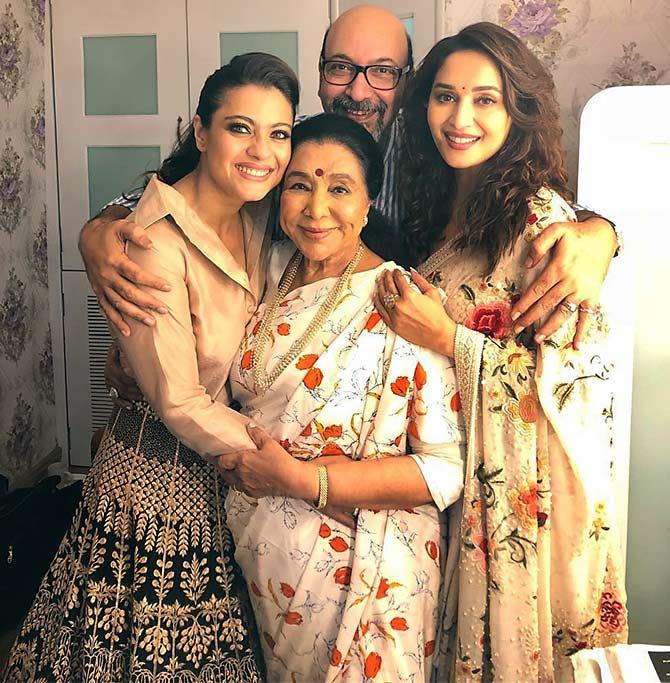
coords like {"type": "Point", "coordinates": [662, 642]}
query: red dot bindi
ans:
{"type": "Point", "coordinates": [318, 172]}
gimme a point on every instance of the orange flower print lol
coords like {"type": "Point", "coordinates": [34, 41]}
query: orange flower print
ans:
{"type": "Point", "coordinates": [338, 544]}
{"type": "Point", "coordinates": [398, 440]}
{"type": "Point", "coordinates": [287, 590]}
{"type": "Point", "coordinates": [612, 613]}
{"type": "Point", "coordinates": [284, 329]}
{"type": "Point", "coordinates": [525, 504]}
{"type": "Point", "coordinates": [307, 361]}
{"type": "Point", "coordinates": [269, 640]}
{"type": "Point", "coordinates": [373, 662]}
{"type": "Point", "coordinates": [399, 624]}
{"type": "Point", "coordinates": [419, 377]}
{"type": "Point", "coordinates": [382, 590]}
{"type": "Point", "coordinates": [293, 618]}
{"type": "Point", "coordinates": [256, 590]}
{"type": "Point", "coordinates": [313, 378]}
{"type": "Point", "coordinates": [285, 444]}
{"type": "Point", "coordinates": [400, 386]}
{"type": "Point", "coordinates": [481, 551]}
{"type": "Point", "coordinates": [335, 657]}
{"type": "Point", "coordinates": [331, 449]}
{"type": "Point", "coordinates": [384, 587]}
{"type": "Point", "coordinates": [332, 432]}
{"type": "Point", "coordinates": [324, 530]}
{"type": "Point", "coordinates": [429, 648]}
{"type": "Point", "coordinates": [246, 359]}
{"type": "Point", "coordinates": [343, 576]}
{"type": "Point", "coordinates": [455, 403]}
{"type": "Point", "coordinates": [528, 408]}
{"type": "Point", "coordinates": [307, 431]}
{"type": "Point", "coordinates": [432, 549]}
{"type": "Point", "coordinates": [372, 321]}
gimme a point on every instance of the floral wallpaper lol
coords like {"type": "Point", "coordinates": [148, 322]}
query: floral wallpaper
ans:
{"type": "Point", "coordinates": [588, 45]}
{"type": "Point", "coordinates": [27, 414]}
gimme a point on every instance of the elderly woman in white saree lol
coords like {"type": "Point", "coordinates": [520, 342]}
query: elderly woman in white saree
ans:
{"type": "Point", "coordinates": [321, 371]}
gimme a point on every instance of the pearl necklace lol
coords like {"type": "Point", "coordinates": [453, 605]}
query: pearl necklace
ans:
{"type": "Point", "coordinates": [262, 380]}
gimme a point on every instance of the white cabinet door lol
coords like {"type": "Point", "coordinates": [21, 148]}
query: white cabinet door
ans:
{"type": "Point", "coordinates": [218, 30]}
{"type": "Point", "coordinates": [423, 19]}
{"type": "Point", "coordinates": [121, 82]}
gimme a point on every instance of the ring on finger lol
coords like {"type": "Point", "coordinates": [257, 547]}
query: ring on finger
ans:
{"type": "Point", "coordinates": [569, 306]}
{"type": "Point", "coordinates": [588, 310]}
{"type": "Point", "coordinates": [389, 300]}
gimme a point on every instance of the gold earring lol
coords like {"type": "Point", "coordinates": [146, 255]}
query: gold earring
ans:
{"type": "Point", "coordinates": [365, 220]}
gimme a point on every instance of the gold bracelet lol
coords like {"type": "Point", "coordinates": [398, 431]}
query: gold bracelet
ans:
{"type": "Point", "coordinates": [322, 501]}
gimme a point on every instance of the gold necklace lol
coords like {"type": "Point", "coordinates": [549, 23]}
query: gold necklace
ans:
{"type": "Point", "coordinates": [263, 380]}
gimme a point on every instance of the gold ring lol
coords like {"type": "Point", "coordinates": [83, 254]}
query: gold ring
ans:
{"type": "Point", "coordinates": [569, 306]}
{"type": "Point", "coordinates": [389, 300]}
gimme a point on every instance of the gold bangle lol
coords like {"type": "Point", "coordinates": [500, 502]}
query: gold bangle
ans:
{"type": "Point", "coordinates": [322, 501]}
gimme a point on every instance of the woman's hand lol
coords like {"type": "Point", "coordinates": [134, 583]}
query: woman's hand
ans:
{"type": "Point", "coordinates": [418, 317]}
{"type": "Point", "coordinates": [113, 276]}
{"type": "Point", "coordinates": [579, 257]}
{"type": "Point", "coordinates": [269, 470]}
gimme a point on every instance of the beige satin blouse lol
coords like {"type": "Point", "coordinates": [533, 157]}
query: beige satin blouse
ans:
{"type": "Point", "coordinates": [181, 364]}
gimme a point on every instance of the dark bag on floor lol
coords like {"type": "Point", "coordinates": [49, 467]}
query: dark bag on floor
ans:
{"type": "Point", "coordinates": [33, 522]}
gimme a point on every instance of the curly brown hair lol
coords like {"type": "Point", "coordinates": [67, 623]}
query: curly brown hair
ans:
{"type": "Point", "coordinates": [495, 213]}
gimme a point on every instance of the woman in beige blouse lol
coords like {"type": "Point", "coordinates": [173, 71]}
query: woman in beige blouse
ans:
{"type": "Point", "coordinates": [144, 585]}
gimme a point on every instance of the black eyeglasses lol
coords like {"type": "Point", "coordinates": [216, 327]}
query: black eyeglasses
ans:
{"type": "Point", "coordinates": [378, 76]}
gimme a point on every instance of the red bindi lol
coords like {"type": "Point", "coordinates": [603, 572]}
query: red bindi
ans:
{"type": "Point", "coordinates": [318, 172]}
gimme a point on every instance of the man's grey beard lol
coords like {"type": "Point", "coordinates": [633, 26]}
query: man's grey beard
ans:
{"type": "Point", "coordinates": [343, 104]}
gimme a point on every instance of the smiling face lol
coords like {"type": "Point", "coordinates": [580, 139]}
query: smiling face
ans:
{"type": "Point", "coordinates": [247, 147]}
{"type": "Point", "coordinates": [466, 111]}
{"type": "Point", "coordinates": [365, 35]}
{"type": "Point", "coordinates": [324, 201]}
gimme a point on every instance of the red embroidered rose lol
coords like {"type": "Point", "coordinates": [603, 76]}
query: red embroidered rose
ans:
{"type": "Point", "coordinates": [343, 576]}
{"type": "Point", "coordinates": [419, 377]}
{"type": "Point", "coordinates": [612, 613]}
{"type": "Point", "coordinates": [324, 530]}
{"type": "Point", "coordinates": [492, 319]}
{"type": "Point", "coordinates": [399, 624]}
{"type": "Point", "coordinates": [335, 657]}
{"type": "Point", "coordinates": [338, 544]}
{"type": "Point", "coordinates": [313, 378]}
{"type": "Point", "coordinates": [429, 648]}
{"type": "Point", "coordinates": [528, 408]}
{"type": "Point", "coordinates": [400, 386]}
{"type": "Point", "coordinates": [332, 432]}
{"type": "Point", "coordinates": [284, 329]}
{"type": "Point", "coordinates": [372, 321]}
{"type": "Point", "coordinates": [373, 662]}
{"type": "Point", "coordinates": [287, 590]}
{"type": "Point", "coordinates": [455, 403]}
{"type": "Point", "coordinates": [293, 618]}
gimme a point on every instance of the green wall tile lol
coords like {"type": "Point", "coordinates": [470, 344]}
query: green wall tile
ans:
{"type": "Point", "coordinates": [113, 170]}
{"type": "Point", "coordinates": [120, 76]}
{"type": "Point", "coordinates": [283, 44]}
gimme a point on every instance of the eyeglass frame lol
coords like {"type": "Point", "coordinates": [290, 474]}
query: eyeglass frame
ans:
{"type": "Point", "coordinates": [400, 70]}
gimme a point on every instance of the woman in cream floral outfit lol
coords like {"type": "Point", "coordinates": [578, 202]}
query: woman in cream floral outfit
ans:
{"type": "Point", "coordinates": [534, 572]}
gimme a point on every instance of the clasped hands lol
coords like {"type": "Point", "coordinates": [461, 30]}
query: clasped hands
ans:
{"type": "Point", "coordinates": [269, 470]}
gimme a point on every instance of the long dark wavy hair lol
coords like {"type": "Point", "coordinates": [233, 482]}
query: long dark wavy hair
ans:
{"type": "Point", "coordinates": [252, 68]}
{"type": "Point", "coordinates": [494, 215]}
